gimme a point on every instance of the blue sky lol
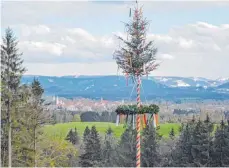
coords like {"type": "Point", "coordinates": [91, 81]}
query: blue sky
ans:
{"type": "Point", "coordinates": [63, 38]}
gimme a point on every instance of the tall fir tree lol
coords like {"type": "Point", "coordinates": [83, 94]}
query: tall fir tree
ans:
{"type": "Point", "coordinates": [11, 73]}
{"type": "Point", "coordinates": [108, 150]}
{"type": "Point", "coordinates": [86, 134]}
{"type": "Point", "coordinates": [220, 154]}
{"type": "Point", "coordinates": [76, 138]}
{"type": "Point", "coordinates": [38, 116]}
{"type": "Point", "coordinates": [150, 152]}
{"type": "Point", "coordinates": [92, 150]}
{"type": "Point", "coordinates": [85, 157]}
{"type": "Point", "coordinates": [201, 145]}
{"type": "Point", "coordinates": [69, 136]}
{"type": "Point", "coordinates": [208, 124]}
{"type": "Point", "coordinates": [32, 117]}
{"type": "Point", "coordinates": [126, 149]}
{"type": "Point", "coordinates": [73, 137]}
{"type": "Point", "coordinates": [172, 134]}
{"type": "Point", "coordinates": [136, 56]}
{"type": "Point", "coordinates": [181, 155]}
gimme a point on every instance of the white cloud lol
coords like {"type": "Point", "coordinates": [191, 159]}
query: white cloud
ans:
{"type": "Point", "coordinates": [167, 56]}
{"type": "Point", "coordinates": [34, 46]}
{"type": "Point", "coordinates": [72, 69]}
{"type": "Point", "coordinates": [198, 49]}
{"type": "Point", "coordinates": [52, 47]}
{"type": "Point", "coordinates": [81, 34]}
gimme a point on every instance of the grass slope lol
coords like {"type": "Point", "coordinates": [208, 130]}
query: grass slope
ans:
{"type": "Point", "coordinates": [61, 130]}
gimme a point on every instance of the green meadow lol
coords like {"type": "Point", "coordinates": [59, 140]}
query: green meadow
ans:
{"type": "Point", "coordinates": [61, 130]}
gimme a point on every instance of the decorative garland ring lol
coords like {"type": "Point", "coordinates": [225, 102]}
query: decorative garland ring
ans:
{"type": "Point", "coordinates": [132, 109]}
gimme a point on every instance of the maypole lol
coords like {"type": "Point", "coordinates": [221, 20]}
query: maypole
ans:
{"type": "Point", "coordinates": [136, 59]}
{"type": "Point", "coordinates": [138, 138]}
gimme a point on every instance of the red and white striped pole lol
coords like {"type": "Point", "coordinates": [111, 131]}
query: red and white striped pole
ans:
{"type": "Point", "coordinates": [138, 138]}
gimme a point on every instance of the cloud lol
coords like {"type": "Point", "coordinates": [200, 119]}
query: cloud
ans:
{"type": "Point", "coordinates": [55, 49]}
{"type": "Point", "coordinates": [29, 30]}
{"type": "Point", "coordinates": [191, 47]}
{"type": "Point", "coordinates": [43, 11]}
{"type": "Point", "coordinates": [167, 56]}
{"type": "Point", "coordinates": [54, 42]}
{"type": "Point", "coordinates": [108, 68]}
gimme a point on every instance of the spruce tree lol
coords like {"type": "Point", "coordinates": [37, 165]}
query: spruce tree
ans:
{"type": "Point", "coordinates": [76, 138]}
{"type": "Point", "coordinates": [86, 134]}
{"type": "Point", "coordinates": [150, 153]}
{"type": "Point", "coordinates": [11, 73]}
{"type": "Point", "coordinates": [108, 150]}
{"type": "Point", "coordinates": [181, 127]}
{"type": "Point", "coordinates": [209, 124]}
{"type": "Point", "coordinates": [126, 150]}
{"type": "Point", "coordinates": [31, 117]}
{"type": "Point", "coordinates": [136, 56]}
{"type": "Point", "coordinates": [69, 136]}
{"type": "Point", "coordinates": [172, 134]}
{"type": "Point", "coordinates": [109, 132]}
{"type": "Point", "coordinates": [181, 156]}
{"type": "Point", "coordinates": [220, 154]}
{"type": "Point", "coordinates": [201, 145]}
{"type": "Point", "coordinates": [92, 150]}
{"type": "Point", "coordinates": [73, 137]}
{"type": "Point", "coordinates": [85, 157]}
{"type": "Point", "coordinates": [38, 113]}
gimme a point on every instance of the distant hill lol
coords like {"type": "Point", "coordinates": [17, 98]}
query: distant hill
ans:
{"type": "Point", "coordinates": [190, 81]}
{"type": "Point", "coordinates": [225, 85]}
{"type": "Point", "coordinates": [115, 88]}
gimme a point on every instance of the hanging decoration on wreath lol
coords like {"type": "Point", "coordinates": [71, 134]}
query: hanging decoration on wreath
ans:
{"type": "Point", "coordinates": [125, 111]}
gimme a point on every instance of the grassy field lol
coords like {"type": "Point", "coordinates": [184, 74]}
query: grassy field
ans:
{"type": "Point", "coordinates": [61, 130]}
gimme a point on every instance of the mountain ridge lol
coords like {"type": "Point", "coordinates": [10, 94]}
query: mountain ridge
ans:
{"type": "Point", "coordinates": [114, 87]}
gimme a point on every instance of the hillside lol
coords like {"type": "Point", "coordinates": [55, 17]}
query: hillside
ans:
{"type": "Point", "coordinates": [115, 88]}
{"type": "Point", "coordinates": [225, 85]}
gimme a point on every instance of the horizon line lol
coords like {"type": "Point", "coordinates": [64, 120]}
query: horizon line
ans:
{"type": "Point", "coordinates": [124, 76]}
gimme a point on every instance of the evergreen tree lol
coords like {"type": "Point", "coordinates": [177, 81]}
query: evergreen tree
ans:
{"type": "Point", "coordinates": [11, 72]}
{"type": "Point", "coordinates": [126, 150]}
{"type": "Point", "coordinates": [73, 137]}
{"type": "Point", "coordinates": [193, 119]}
{"type": "Point", "coordinates": [172, 134]}
{"type": "Point", "coordinates": [108, 151]}
{"type": "Point", "coordinates": [201, 145]}
{"type": "Point", "coordinates": [92, 150]}
{"type": "Point", "coordinates": [181, 156]}
{"type": "Point", "coordinates": [69, 136]}
{"type": "Point", "coordinates": [209, 124]}
{"type": "Point", "coordinates": [136, 57]}
{"type": "Point", "coordinates": [76, 138]}
{"type": "Point", "coordinates": [150, 153]}
{"type": "Point", "coordinates": [109, 131]}
{"type": "Point", "coordinates": [86, 134]}
{"type": "Point", "coordinates": [220, 154]}
{"type": "Point", "coordinates": [181, 127]}
{"type": "Point", "coordinates": [31, 118]}
{"type": "Point", "coordinates": [37, 115]}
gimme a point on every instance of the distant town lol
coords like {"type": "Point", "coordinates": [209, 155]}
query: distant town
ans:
{"type": "Point", "coordinates": [83, 104]}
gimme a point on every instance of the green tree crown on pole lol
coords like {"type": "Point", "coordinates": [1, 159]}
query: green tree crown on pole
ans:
{"type": "Point", "coordinates": [136, 57]}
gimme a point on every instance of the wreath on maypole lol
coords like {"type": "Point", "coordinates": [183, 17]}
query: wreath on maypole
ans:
{"type": "Point", "coordinates": [136, 58]}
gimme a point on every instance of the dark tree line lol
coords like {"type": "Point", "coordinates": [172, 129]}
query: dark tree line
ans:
{"type": "Point", "coordinates": [197, 146]}
{"type": "Point", "coordinates": [92, 116]}
{"type": "Point", "coordinates": [185, 112]}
